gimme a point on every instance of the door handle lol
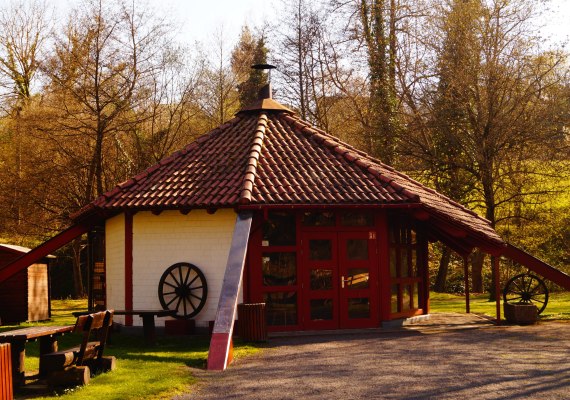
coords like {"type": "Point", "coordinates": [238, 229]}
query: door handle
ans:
{"type": "Point", "coordinates": [343, 281]}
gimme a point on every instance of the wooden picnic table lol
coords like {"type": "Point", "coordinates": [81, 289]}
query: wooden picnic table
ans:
{"type": "Point", "coordinates": [149, 329]}
{"type": "Point", "coordinates": [47, 335]}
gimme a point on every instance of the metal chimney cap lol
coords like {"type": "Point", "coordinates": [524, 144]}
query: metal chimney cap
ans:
{"type": "Point", "coordinates": [263, 66]}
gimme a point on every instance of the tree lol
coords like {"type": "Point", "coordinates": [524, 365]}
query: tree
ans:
{"type": "Point", "coordinates": [378, 24]}
{"type": "Point", "coordinates": [444, 160]}
{"type": "Point", "coordinates": [24, 31]}
{"type": "Point", "coordinates": [219, 97]}
{"type": "Point", "coordinates": [297, 39]}
{"type": "Point", "coordinates": [170, 117]}
{"type": "Point", "coordinates": [250, 50]}
{"type": "Point", "coordinates": [98, 76]}
{"type": "Point", "coordinates": [248, 90]}
{"type": "Point", "coordinates": [493, 118]}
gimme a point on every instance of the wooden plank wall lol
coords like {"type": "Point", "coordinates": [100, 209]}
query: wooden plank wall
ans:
{"type": "Point", "coordinates": [38, 298]}
{"type": "Point", "coordinates": [6, 390]}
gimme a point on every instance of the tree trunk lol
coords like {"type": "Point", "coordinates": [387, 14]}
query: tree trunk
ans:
{"type": "Point", "coordinates": [78, 289]}
{"type": "Point", "coordinates": [477, 271]}
{"type": "Point", "coordinates": [300, 60]}
{"type": "Point", "coordinates": [441, 278]}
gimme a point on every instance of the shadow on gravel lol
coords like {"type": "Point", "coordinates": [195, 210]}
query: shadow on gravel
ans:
{"type": "Point", "coordinates": [499, 363]}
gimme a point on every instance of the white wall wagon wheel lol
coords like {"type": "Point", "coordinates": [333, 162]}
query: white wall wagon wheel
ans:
{"type": "Point", "coordinates": [183, 288]}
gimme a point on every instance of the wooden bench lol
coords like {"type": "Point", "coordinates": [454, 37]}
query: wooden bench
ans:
{"type": "Point", "coordinates": [74, 366]}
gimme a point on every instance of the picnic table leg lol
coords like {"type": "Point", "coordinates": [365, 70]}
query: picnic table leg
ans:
{"type": "Point", "coordinates": [48, 344]}
{"type": "Point", "coordinates": [149, 329]}
{"type": "Point", "coordinates": [18, 358]}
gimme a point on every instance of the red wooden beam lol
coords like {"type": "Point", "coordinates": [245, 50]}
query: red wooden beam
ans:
{"type": "Point", "coordinates": [538, 266]}
{"type": "Point", "coordinates": [497, 275]}
{"type": "Point", "coordinates": [466, 278]}
{"type": "Point", "coordinates": [421, 215]}
{"type": "Point", "coordinates": [220, 353]}
{"type": "Point", "coordinates": [43, 250]}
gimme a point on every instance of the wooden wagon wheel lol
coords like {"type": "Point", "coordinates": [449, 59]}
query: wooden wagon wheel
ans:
{"type": "Point", "coordinates": [526, 289]}
{"type": "Point", "coordinates": [183, 288]}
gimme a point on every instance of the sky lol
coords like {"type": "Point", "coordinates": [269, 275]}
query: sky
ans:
{"type": "Point", "coordinates": [200, 19]}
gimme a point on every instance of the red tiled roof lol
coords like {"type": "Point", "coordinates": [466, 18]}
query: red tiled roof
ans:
{"type": "Point", "coordinates": [271, 157]}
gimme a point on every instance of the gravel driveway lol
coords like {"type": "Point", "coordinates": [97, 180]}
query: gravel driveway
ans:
{"type": "Point", "coordinates": [511, 362]}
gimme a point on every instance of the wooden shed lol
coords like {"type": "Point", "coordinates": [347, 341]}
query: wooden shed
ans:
{"type": "Point", "coordinates": [24, 296]}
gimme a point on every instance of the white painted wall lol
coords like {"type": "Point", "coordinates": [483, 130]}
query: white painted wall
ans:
{"type": "Point", "coordinates": [160, 241]}
{"type": "Point", "coordinates": [115, 264]}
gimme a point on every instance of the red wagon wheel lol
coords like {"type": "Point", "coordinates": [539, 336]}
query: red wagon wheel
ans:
{"type": "Point", "coordinates": [526, 289]}
{"type": "Point", "coordinates": [183, 288]}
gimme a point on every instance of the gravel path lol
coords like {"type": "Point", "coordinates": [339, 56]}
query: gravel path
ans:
{"type": "Point", "coordinates": [512, 362]}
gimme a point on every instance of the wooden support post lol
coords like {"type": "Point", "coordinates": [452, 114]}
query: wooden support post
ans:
{"type": "Point", "coordinates": [149, 329]}
{"type": "Point", "coordinates": [48, 344]}
{"type": "Point", "coordinates": [466, 274]}
{"type": "Point", "coordinates": [18, 357]}
{"type": "Point", "coordinates": [220, 353]}
{"type": "Point", "coordinates": [495, 261]}
{"type": "Point", "coordinates": [6, 388]}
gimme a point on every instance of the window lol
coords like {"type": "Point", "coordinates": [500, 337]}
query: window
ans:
{"type": "Point", "coordinates": [279, 230]}
{"type": "Point", "coordinates": [406, 271]}
{"type": "Point", "coordinates": [318, 219]}
{"type": "Point", "coordinates": [279, 269]}
{"type": "Point", "coordinates": [356, 218]}
{"type": "Point", "coordinates": [279, 274]}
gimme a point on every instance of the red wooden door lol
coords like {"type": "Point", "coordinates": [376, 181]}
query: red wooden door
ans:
{"type": "Point", "coordinates": [340, 287]}
{"type": "Point", "coordinates": [358, 280]}
{"type": "Point", "coordinates": [320, 281]}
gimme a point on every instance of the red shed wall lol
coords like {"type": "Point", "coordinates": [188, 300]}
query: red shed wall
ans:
{"type": "Point", "coordinates": [13, 293]}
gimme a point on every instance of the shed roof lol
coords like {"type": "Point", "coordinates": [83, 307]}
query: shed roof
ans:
{"type": "Point", "coordinates": [267, 155]}
{"type": "Point", "coordinates": [18, 250]}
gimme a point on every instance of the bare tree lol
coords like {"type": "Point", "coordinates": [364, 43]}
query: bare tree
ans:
{"type": "Point", "coordinates": [219, 96]}
{"type": "Point", "coordinates": [299, 40]}
{"type": "Point", "coordinates": [24, 30]}
{"type": "Point", "coordinates": [98, 75]}
{"type": "Point", "coordinates": [171, 116]}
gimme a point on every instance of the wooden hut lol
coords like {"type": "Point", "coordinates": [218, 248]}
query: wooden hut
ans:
{"type": "Point", "coordinates": [24, 296]}
{"type": "Point", "coordinates": [267, 208]}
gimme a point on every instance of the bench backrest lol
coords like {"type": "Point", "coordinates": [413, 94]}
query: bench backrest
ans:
{"type": "Point", "coordinates": [98, 323]}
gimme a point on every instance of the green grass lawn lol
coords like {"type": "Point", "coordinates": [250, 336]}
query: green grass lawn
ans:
{"type": "Point", "coordinates": [142, 372]}
{"type": "Point", "coordinates": [558, 307]}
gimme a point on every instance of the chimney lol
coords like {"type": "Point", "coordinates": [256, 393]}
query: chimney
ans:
{"type": "Point", "coordinates": [265, 92]}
